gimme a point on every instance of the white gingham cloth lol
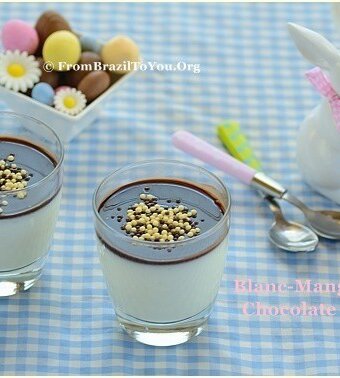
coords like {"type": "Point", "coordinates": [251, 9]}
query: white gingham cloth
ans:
{"type": "Point", "coordinates": [251, 72]}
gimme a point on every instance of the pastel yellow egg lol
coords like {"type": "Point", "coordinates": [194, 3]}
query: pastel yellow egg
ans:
{"type": "Point", "coordinates": [119, 50]}
{"type": "Point", "coordinates": [62, 49]}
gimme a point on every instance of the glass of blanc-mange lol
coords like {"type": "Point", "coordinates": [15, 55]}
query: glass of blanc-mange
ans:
{"type": "Point", "coordinates": [31, 158]}
{"type": "Point", "coordinates": [162, 229]}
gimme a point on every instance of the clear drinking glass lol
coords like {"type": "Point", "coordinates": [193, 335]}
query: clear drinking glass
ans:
{"type": "Point", "coordinates": [28, 216]}
{"type": "Point", "coordinates": [160, 296]}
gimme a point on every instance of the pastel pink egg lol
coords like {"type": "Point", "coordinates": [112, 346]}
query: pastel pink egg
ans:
{"type": "Point", "coordinates": [61, 88]}
{"type": "Point", "coordinates": [19, 35]}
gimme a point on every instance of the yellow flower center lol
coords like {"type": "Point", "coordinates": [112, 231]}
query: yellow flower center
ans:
{"type": "Point", "coordinates": [69, 102]}
{"type": "Point", "coordinates": [16, 70]}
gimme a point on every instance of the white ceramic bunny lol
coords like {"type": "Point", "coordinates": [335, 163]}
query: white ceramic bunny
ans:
{"type": "Point", "coordinates": [318, 144]}
{"type": "Point", "coordinates": [336, 14]}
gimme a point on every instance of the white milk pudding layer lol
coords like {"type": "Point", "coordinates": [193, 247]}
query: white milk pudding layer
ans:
{"type": "Point", "coordinates": [163, 293]}
{"type": "Point", "coordinates": [163, 254]}
{"type": "Point", "coordinates": [28, 208]}
{"type": "Point", "coordinates": [26, 238]}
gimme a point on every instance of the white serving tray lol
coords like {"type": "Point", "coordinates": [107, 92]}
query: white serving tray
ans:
{"type": "Point", "coordinates": [67, 127]}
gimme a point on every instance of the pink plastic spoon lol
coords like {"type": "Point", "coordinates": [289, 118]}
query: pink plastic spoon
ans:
{"type": "Point", "coordinates": [325, 222]}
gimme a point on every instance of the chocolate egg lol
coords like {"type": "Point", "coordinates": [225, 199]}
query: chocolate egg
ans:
{"type": "Point", "coordinates": [43, 93]}
{"type": "Point", "coordinates": [18, 35]}
{"type": "Point", "coordinates": [62, 49]}
{"type": "Point", "coordinates": [48, 23]}
{"type": "Point", "coordinates": [94, 84]}
{"type": "Point", "coordinates": [89, 43]}
{"type": "Point", "coordinates": [115, 77]}
{"type": "Point", "coordinates": [61, 88]}
{"type": "Point", "coordinates": [119, 50]}
{"type": "Point", "coordinates": [51, 78]}
{"type": "Point", "coordinates": [87, 58]}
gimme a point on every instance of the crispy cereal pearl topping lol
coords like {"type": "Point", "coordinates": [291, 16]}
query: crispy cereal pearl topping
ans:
{"type": "Point", "coordinates": [148, 220]}
{"type": "Point", "coordinates": [12, 178]}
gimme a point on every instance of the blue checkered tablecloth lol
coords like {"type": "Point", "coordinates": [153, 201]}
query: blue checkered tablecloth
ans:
{"type": "Point", "coordinates": [250, 71]}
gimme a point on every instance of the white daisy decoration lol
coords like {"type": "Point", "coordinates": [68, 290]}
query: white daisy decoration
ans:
{"type": "Point", "coordinates": [18, 70]}
{"type": "Point", "coordinates": [70, 101]}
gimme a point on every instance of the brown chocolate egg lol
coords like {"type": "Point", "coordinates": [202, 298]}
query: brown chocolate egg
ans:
{"type": "Point", "coordinates": [51, 78]}
{"type": "Point", "coordinates": [48, 23]}
{"type": "Point", "coordinates": [115, 77]}
{"type": "Point", "coordinates": [88, 58]}
{"type": "Point", "coordinates": [94, 84]}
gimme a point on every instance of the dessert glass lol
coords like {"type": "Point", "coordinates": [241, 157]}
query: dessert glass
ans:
{"type": "Point", "coordinates": [27, 221]}
{"type": "Point", "coordinates": [167, 299]}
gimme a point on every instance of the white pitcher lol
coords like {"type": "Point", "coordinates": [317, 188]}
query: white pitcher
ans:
{"type": "Point", "coordinates": [318, 143]}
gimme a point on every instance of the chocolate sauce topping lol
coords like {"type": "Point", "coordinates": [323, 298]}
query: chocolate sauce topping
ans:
{"type": "Point", "coordinates": [169, 193]}
{"type": "Point", "coordinates": [39, 164]}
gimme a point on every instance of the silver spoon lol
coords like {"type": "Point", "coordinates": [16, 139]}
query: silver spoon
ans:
{"type": "Point", "coordinates": [286, 235]}
{"type": "Point", "coordinates": [325, 222]}
{"type": "Point", "coordinates": [290, 236]}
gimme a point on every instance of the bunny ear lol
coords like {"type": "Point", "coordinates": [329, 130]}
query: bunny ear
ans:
{"type": "Point", "coordinates": [314, 47]}
{"type": "Point", "coordinates": [336, 15]}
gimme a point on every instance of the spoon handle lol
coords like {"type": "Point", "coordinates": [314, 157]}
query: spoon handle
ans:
{"type": "Point", "coordinates": [208, 153]}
